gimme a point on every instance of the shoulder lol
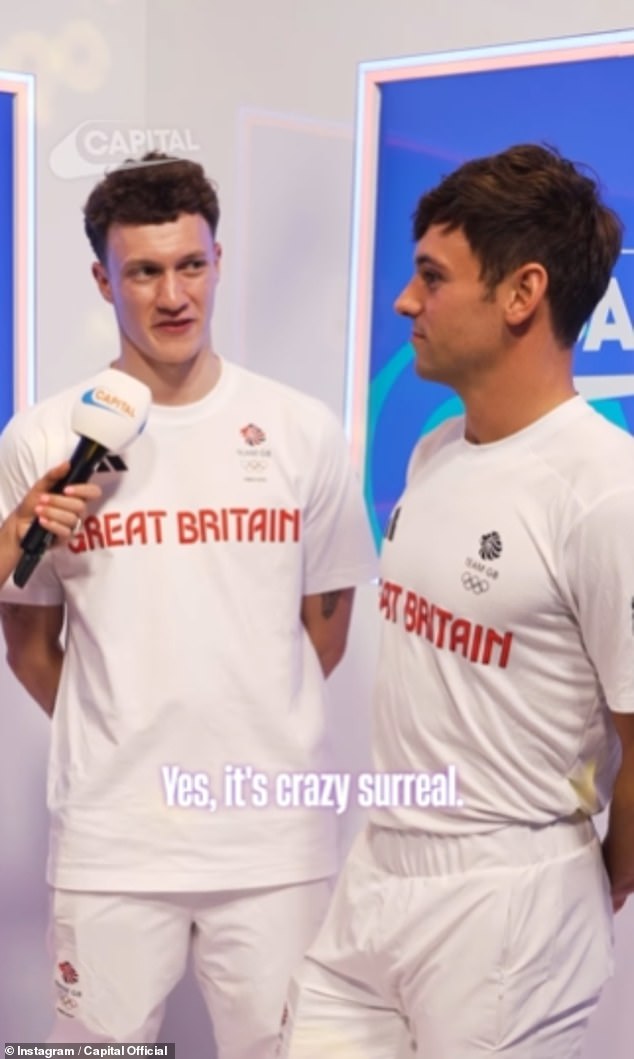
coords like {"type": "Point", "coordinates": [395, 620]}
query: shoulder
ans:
{"type": "Point", "coordinates": [597, 421]}
{"type": "Point", "coordinates": [297, 402]}
{"type": "Point", "coordinates": [594, 455]}
{"type": "Point", "coordinates": [53, 409]}
{"type": "Point", "coordinates": [39, 436]}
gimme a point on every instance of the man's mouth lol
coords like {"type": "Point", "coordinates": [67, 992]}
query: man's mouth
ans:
{"type": "Point", "coordinates": [174, 327]}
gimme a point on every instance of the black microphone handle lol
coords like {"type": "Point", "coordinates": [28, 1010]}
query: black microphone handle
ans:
{"type": "Point", "coordinates": [36, 540]}
{"type": "Point", "coordinates": [82, 463]}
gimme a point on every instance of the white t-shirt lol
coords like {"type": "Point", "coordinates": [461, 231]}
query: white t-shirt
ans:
{"type": "Point", "coordinates": [508, 635]}
{"type": "Point", "coordinates": [186, 658]}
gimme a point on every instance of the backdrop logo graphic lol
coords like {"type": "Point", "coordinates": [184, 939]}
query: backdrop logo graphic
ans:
{"type": "Point", "coordinates": [611, 326]}
{"type": "Point", "coordinates": [95, 146]}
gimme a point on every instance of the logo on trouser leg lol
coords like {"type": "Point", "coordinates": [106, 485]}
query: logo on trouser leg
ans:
{"type": "Point", "coordinates": [68, 972]}
{"type": "Point", "coordinates": [66, 1004]}
{"type": "Point", "coordinates": [67, 998]}
{"type": "Point", "coordinates": [281, 1033]}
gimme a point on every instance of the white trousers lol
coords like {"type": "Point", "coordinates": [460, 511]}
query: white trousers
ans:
{"type": "Point", "coordinates": [118, 956]}
{"type": "Point", "coordinates": [457, 948]}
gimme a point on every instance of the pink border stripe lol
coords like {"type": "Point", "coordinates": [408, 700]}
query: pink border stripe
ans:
{"type": "Point", "coordinates": [21, 87]}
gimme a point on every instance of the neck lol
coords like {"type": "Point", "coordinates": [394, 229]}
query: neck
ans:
{"type": "Point", "coordinates": [516, 395]}
{"type": "Point", "coordinates": [173, 384]}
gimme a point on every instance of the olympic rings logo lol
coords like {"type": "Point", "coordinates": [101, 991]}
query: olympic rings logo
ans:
{"type": "Point", "coordinates": [473, 584]}
{"type": "Point", "coordinates": [254, 465]}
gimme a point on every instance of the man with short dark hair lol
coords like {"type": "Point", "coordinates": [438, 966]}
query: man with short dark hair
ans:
{"type": "Point", "coordinates": [474, 912]}
{"type": "Point", "coordinates": [207, 597]}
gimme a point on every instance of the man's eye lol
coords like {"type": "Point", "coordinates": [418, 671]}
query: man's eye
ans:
{"type": "Point", "coordinates": [195, 266]}
{"type": "Point", "coordinates": [430, 278]}
{"type": "Point", "coordinates": [143, 271]}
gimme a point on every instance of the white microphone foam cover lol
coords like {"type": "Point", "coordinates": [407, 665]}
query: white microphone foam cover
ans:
{"type": "Point", "coordinates": [113, 409]}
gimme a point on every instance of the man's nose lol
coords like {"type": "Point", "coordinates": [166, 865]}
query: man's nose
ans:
{"type": "Point", "coordinates": [171, 291]}
{"type": "Point", "coordinates": [409, 301]}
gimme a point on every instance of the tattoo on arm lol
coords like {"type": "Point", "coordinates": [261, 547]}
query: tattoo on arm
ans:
{"type": "Point", "coordinates": [329, 602]}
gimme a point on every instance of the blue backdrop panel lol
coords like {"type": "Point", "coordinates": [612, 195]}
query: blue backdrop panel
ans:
{"type": "Point", "coordinates": [430, 125]}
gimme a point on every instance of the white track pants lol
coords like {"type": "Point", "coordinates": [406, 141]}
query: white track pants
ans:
{"type": "Point", "coordinates": [457, 948]}
{"type": "Point", "coordinates": [117, 957]}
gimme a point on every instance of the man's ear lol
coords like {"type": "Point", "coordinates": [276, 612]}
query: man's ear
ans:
{"type": "Point", "coordinates": [525, 291]}
{"type": "Point", "coordinates": [101, 279]}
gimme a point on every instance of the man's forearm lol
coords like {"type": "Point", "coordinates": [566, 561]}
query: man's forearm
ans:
{"type": "Point", "coordinates": [618, 846]}
{"type": "Point", "coordinates": [326, 618]}
{"type": "Point", "coordinates": [9, 547]}
{"type": "Point", "coordinates": [34, 652]}
{"type": "Point", "coordinates": [41, 678]}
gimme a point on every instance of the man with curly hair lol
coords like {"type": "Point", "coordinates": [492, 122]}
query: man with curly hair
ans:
{"type": "Point", "coordinates": [207, 597]}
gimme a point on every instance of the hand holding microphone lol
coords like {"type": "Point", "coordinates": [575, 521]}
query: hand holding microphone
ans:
{"type": "Point", "coordinates": [61, 513]}
{"type": "Point", "coordinates": [107, 416]}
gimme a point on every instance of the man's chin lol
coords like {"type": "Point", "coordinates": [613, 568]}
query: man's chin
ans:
{"type": "Point", "coordinates": [427, 371]}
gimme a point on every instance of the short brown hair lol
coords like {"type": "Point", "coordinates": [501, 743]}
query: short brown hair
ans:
{"type": "Point", "coordinates": [530, 204]}
{"type": "Point", "coordinates": [152, 190]}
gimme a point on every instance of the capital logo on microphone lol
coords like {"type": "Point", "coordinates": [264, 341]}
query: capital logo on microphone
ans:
{"type": "Point", "coordinates": [102, 398]}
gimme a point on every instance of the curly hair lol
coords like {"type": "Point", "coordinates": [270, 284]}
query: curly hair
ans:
{"type": "Point", "coordinates": [151, 190]}
{"type": "Point", "coordinates": [530, 204]}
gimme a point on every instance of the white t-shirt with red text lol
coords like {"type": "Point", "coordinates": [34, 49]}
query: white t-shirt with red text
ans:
{"type": "Point", "coordinates": [191, 694]}
{"type": "Point", "coordinates": [507, 600]}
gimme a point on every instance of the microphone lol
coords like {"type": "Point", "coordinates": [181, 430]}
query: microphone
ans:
{"type": "Point", "coordinates": [108, 416]}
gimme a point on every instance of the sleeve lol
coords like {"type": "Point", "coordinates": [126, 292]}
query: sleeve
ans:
{"type": "Point", "coordinates": [23, 459]}
{"type": "Point", "coordinates": [599, 566]}
{"type": "Point", "coordinates": [339, 549]}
